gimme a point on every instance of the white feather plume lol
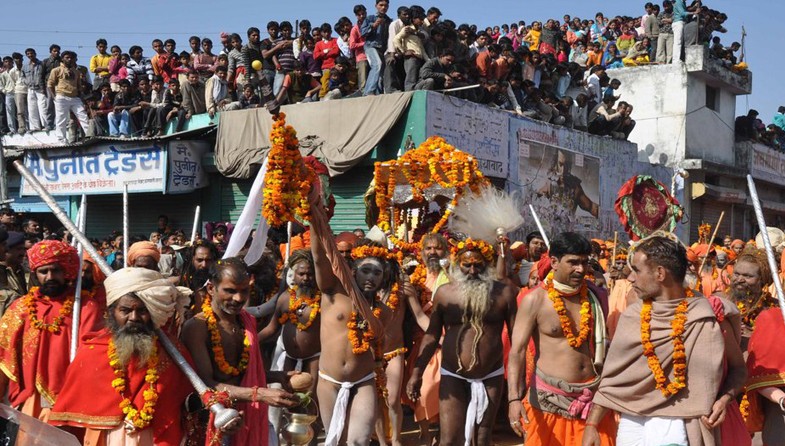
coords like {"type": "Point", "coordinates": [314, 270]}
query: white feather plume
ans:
{"type": "Point", "coordinates": [480, 216]}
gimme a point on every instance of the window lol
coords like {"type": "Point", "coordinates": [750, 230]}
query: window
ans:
{"type": "Point", "coordinates": [712, 98]}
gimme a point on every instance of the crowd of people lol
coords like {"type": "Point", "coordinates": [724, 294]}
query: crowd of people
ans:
{"type": "Point", "coordinates": [750, 127]}
{"type": "Point", "coordinates": [554, 71]}
{"type": "Point", "coordinates": [563, 331]}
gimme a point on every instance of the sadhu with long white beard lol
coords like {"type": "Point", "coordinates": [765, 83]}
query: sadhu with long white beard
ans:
{"type": "Point", "coordinates": [471, 311]}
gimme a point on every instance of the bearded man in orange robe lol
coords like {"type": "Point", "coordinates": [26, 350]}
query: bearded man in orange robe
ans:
{"type": "Point", "coordinates": [35, 332]}
{"type": "Point", "coordinates": [125, 365]}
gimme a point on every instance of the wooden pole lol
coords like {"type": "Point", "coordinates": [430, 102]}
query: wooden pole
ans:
{"type": "Point", "coordinates": [613, 257]}
{"type": "Point", "coordinates": [714, 234]}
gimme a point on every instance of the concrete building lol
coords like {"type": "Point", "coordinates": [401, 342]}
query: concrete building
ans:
{"type": "Point", "coordinates": [685, 117]}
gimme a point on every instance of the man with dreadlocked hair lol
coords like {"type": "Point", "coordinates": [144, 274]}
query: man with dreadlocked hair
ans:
{"type": "Point", "coordinates": [297, 311]}
{"type": "Point", "coordinates": [352, 331]}
{"type": "Point", "coordinates": [198, 260]}
{"type": "Point", "coordinates": [471, 311]}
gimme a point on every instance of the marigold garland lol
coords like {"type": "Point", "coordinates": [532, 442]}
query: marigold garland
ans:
{"type": "Point", "coordinates": [751, 309]}
{"type": "Point", "coordinates": [215, 343]}
{"type": "Point", "coordinates": [417, 279]}
{"type": "Point", "coordinates": [679, 382]}
{"type": "Point", "coordinates": [139, 418]}
{"type": "Point", "coordinates": [288, 180]}
{"type": "Point", "coordinates": [298, 302]}
{"type": "Point", "coordinates": [433, 162]}
{"type": "Point", "coordinates": [379, 252]}
{"type": "Point", "coordinates": [393, 299]}
{"type": "Point", "coordinates": [359, 332]}
{"type": "Point", "coordinates": [57, 322]}
{"type": "Point", "coordinates": [469, 244]}
{"type": "Point", "coordinates": [566, 324]}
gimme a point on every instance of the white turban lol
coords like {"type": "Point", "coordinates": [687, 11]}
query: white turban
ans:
{"type": "Point", "coordinates": [160, 297]}
{"type": "Point", "coordinates": [776, 236]}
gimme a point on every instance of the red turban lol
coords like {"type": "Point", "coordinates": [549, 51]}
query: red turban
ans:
{"type": "Point", "coordinates": [54, 251]}
{"type": "Point", "coordinates": [737, 242]}
{"type": "Point", "coordinates": [98, 275]}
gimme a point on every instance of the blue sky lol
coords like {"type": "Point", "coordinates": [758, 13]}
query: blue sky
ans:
{"type": "Point", "coordinates": [77, 24]}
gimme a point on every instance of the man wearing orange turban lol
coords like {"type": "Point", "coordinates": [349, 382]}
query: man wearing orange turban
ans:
{"type": "Point", "coordinates": [144, 254]}
{"type": "Point", "coordinates": [35, 332]}
{"type": "Point", "coordinates": [345, 242]}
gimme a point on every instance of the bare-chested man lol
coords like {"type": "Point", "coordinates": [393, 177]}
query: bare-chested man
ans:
{"type": "Point", "coordinates": [297, 311]}
{"type": "Point", "coordinates": [471, 310]}
{"type": "Point", "coordinates": [350, 333]}
{"type": "Point", "coordinates": [223, 342]}
{"type": "Point", "coordinates": [396, 295]}
{"type": "Point", "coordinates": [565, 318]}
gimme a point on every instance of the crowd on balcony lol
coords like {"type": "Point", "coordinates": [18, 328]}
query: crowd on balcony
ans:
{"type": "Point", "coordinates": [750, 127]}
{"type": "Point", "coordinates": [555, 71]}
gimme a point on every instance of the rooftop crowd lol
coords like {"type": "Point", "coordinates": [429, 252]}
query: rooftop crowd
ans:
{"type": "Point", "coordinates": [556, 71]}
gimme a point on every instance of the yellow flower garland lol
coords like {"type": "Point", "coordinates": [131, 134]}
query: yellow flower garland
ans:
{"type": "Point", "coordinates": [288, 180]}
{"type": "Point", "coordinates": [139, 418]}
{"type": "Point", "coordinates": [295, 303]}
{"type": "Point", "coordinates": [215, 343]}
{"type": "Point", "coordinates": [417, 279]}
{"type": "Point", "coordinates": [679, 353]}
{"type": "Point", "coordinates": [566, 323]}
{"type": "Point", "coordinates": [65, 310]}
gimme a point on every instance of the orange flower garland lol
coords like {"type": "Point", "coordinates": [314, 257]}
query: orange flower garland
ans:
{"type": "Point", "coordinates": [360, 333]}
{"type": "Point", "coordinates": [433, 162]}
{"type": "Point", "coordinates": [469, 244]}
{"type": "Point", "coordinates": [750, 310]}
{"type": "Point", "coordinates": [296, 303]}
{"type": "Point", "coordinates": [566, 323]}
{"type": "Point", "coordinates": [393, 300]}
{"type": "Point", "coordinates": [139, 418]}
{"type": "Point", "coordinates": [65, 310]}
{"type": "Point", "coordinates": [418, 280]}
{"type": "Point", "coordinates": [288, 180]}
{"type": "Point", "coordinates": [679, 354]}
{"type": "Point", "coordinates": [215, 343]}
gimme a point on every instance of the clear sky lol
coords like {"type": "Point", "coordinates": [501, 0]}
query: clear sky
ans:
{"type": "Point", "coordinates": [76, 24]}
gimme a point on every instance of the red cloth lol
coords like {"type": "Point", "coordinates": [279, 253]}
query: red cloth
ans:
{"type": "Point", "coordinates": [254, 430]}
{"type": "Point", "coordinates": [765, 363]}
{"type": "Point", "coordinates": [54, 251]}
{"type": "Point", "coordinates": [36, 360]}
{"type": "Point", "coordinates": [99, 408]}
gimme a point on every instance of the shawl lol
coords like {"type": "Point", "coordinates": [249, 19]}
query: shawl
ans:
{"type": "Point", "coordinates": [628, 385]}
{"type": "Point", "coordinates": [36, 360]}
{"type": "Point", "coordinates": [100, 408]}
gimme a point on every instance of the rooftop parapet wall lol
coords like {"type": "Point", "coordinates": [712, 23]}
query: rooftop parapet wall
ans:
{"type": "Point", "coordinates": [715, 73]}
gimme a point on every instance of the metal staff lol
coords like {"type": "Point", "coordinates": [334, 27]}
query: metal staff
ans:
{"type": "Point", "coordinates": [540, 228]}
{"type": "Point", "coordinates": [196, 224]}
{"type": "Point", "coordinates": [79, 217]}
{"type": "Point", "coordinates": [711, 240]}
{"type": "Point", "coordinates": [222, 415]}
{"type": "Point", "coordinates": [125, 221]}
{"type": "Point", "coordinates": [764, 232]}
{"type": "Point", "coordinates": [77, 312]}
